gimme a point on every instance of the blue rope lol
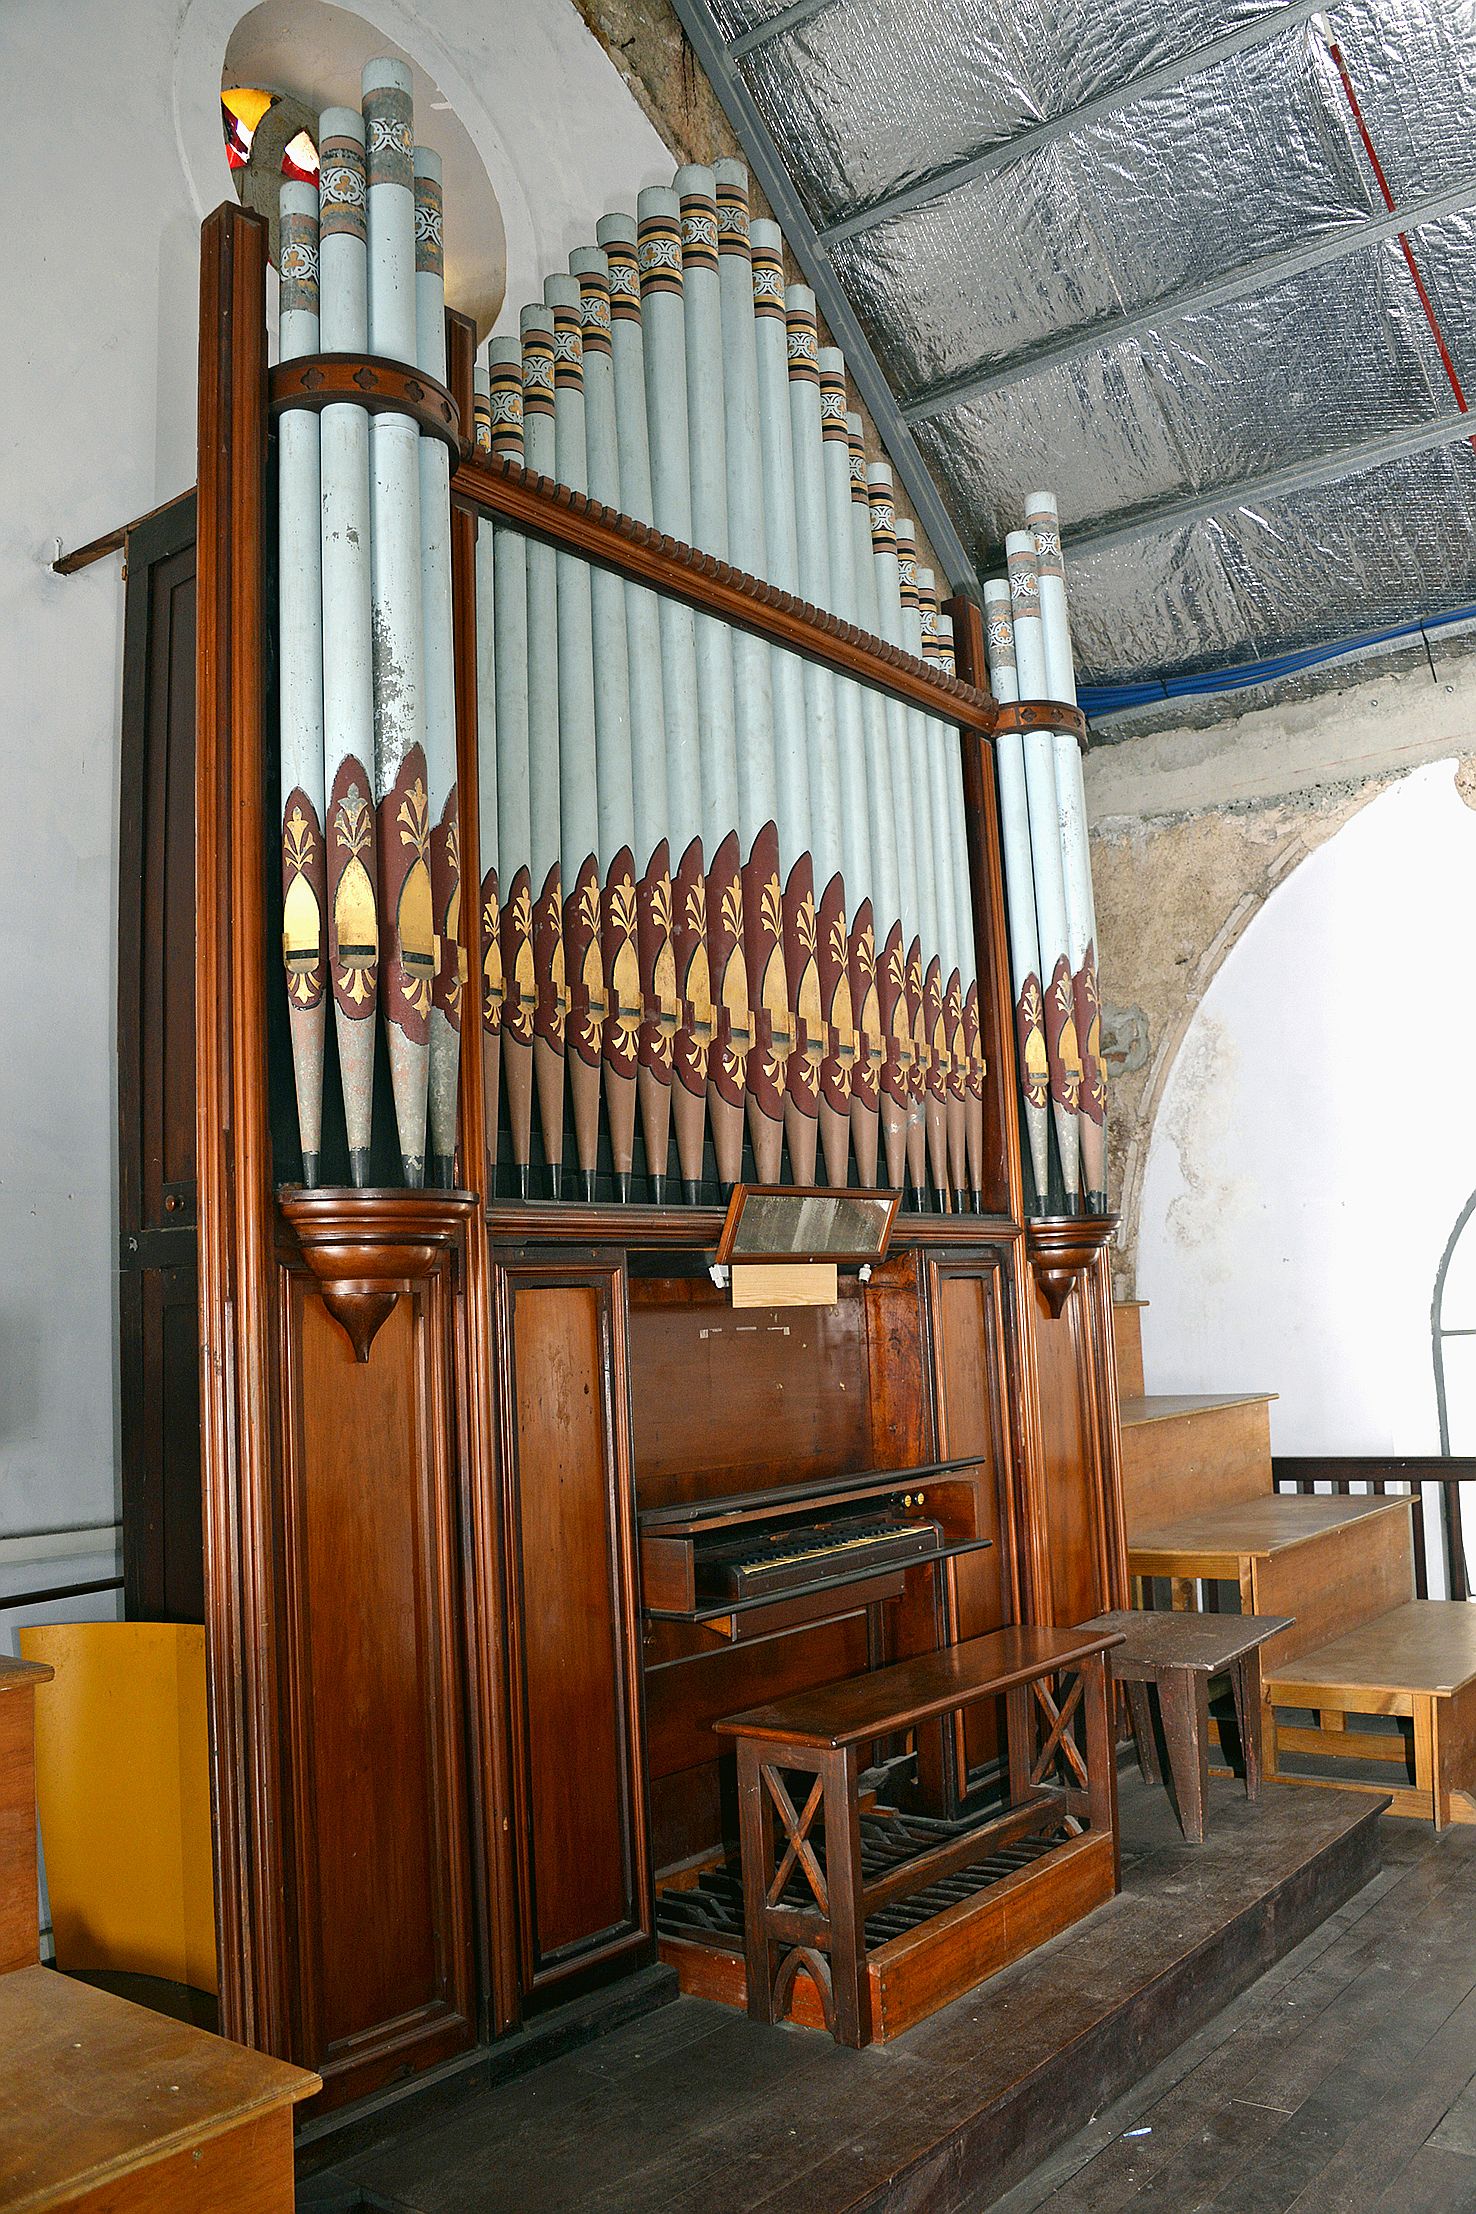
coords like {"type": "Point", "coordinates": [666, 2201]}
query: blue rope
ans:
{"type": "Point", "coordinates": [1105, 699]}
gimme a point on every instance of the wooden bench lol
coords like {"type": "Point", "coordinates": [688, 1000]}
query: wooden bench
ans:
{"type": "Point", "coordinates": [1002, 1885]}
{"type": "Point", "coordinates": [1180, 1655]}
{"type": "Point", "coordinates": [105, 2105]}
{"type": "Point", "coordinates": [1414, 1662]}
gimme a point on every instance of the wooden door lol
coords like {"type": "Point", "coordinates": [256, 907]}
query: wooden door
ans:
{"type": "Point", "coordinates": [1077, 1509]}
{"type": "Point", "coordinates": [573, 1627]}
{"type": "Point", "coordinates": [373, 1691]}
{"type": "Point", "coordinates": [158, 1223]}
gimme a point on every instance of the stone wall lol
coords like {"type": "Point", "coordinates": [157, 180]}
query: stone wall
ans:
{"type": "Point", "coordinates": [1194, 826]}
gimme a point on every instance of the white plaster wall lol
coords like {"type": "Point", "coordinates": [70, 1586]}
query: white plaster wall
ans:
{"type": "Point", "coordinates": [110, 155]}
{"type": "Point", "coordinates": [1313, 1146]}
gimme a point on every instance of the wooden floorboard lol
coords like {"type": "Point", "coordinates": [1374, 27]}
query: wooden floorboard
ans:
{"type": "Point", "coordinates": [1344, 2082]}
{"type": "Point", "coordinates": [696, 2108]}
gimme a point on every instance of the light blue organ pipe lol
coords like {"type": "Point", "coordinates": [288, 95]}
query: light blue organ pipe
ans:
{"type": "Point", "coordinates": [438, 639]}
{"type": "Point", "coordinates": [664, 360]}
{"type": "Point", "coordinates": [702, 364]}
{"type": "Point", "coordinates": [300, 658]}
{"type": "Point", "coordinates": [1019, 868]}
{"type": "Point", "coordinates": [399, 698]}
{"type": "Point", "coordinates": [1045, 824]}
{"type": "Point", "coordinates": [539, 452]}
{"type": "Point", "coordinates": [578, 800]}
{"type": "Point", "coordinates": [791, 766]}
{"type": "Point", "coordinates": [348, 613]}
{"type": "Point", "coordinates": [614, 768]}
{"type": "Point", "coordinates": [753, 694]}
{"type": "Point", "coordinates": [616, 234]}
{"type": "Point", "coordinates": [814, 578]}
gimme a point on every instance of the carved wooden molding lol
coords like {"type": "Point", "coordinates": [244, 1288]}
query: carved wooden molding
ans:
{"type": "Point", "coordinates": [1060, 1247]}
{"type": "Point", "coordinates": [367, 1247]}
{"type": "Point", "coordinates": [577, 524]}
{"type": "Point", "coordinates": [382, 387]}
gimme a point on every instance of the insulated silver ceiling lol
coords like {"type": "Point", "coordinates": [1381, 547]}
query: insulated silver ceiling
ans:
{"type": "Point", "coordinates": [1206, 268]}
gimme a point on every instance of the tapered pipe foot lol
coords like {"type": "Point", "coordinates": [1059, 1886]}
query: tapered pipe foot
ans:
{"type": "Point", "coordinates": [622, 1187]}
{"type": "Point", "coordinates": [1096, 1203]}
{"type": "Point", "coordinates": [587, 1186]}
{"type": "Point", "coordinates": [1073, 1204]}
{"type": "Point", "coordinates": [726, 1189]}
{"type": "Point", "coordinates": [522, 1175]}
{"type": "Point", "coordinates": [658, 1190]}
{"type": "Point", "coordinates": [977, 1195]}
{"type": "Point", "coordinates": [311, 1169]}
{"type": "Point", "coordinates": [359, 1168]}
{"type": "Point", "coordinates": [691, 1190]}
{"type": "Point", "coordinates": [412, 1168]}
{"type": "Point", "coordinates": [443, 1171]}
{"type": "Point", "coordinates": [555, 1180]}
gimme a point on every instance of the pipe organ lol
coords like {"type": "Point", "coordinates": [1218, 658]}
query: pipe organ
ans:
{"type": "Point", "coordinates": [776, 876]}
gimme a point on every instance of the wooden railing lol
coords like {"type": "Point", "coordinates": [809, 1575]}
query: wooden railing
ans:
{"type": "Point", "coordinates": [1416, 1474]}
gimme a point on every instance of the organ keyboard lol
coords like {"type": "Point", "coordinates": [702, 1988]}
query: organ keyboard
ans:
{"type": "Point", "coordinates": [771, 1561]}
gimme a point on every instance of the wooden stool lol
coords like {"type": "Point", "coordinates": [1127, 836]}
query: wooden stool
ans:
{"type": "Point", "coordinates": [819, 1733]}
{"type": "Point", "coordinates": [1180, 1653]}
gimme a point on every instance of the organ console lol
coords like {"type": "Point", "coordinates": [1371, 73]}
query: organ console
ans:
{"type": "Point", "coordinates": [507, 1503]}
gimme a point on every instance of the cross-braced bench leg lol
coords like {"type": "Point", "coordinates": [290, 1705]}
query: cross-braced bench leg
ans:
{"type": "Point", "coordinates": [825, 1936]}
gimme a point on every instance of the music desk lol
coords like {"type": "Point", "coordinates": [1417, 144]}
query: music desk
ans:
{"type": "Point", "coordinates": [989, 1889]}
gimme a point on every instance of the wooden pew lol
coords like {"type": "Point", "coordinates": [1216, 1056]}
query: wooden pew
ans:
{"type": "Point", "coordinates": [105, 2107]}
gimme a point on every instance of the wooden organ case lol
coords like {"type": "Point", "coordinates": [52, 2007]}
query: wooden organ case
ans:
{"type": "Point", "coordinates": [471, 1463]}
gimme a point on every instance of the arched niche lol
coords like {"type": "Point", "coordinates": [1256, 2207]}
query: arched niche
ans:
{"type": "Point", "coordinates": [1310, 1153]}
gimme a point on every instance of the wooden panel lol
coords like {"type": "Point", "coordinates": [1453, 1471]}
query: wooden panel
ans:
{"type": "Point", "coordinates": [163, 1517]}
{"type": "Point", "coordinates": [240, 1403]}
{"type": "Point", "coordinates": [383, 1942]}
{"type": "Point", "coordinates": [586, 1885]}
{"type": "Point", "coordinates": [163, 1565]}
{"type": "Point", "coordinates": [1355, 1571]}
{"type": "Point", "coordinates": [1127, 1344]}
{"type": "Point", "coordinates": [20, 1927]}
{"type": "Point", "coordinates": [1072, 1526]}
{"type": "Point", "coordinates": [970, 1388]}
{"type": "Point", "coordinates": [109, 2106]}
{"type": "Point", "coordinates": [1179, 1458]}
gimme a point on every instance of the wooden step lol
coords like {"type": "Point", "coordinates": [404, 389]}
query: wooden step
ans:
{"type": "Point", "coordinates": [1328, 1562]}
{"type": "Point", "coordinates": [1417, 1661]}
{"type": "Point", "coordinates": [1183, 1452]}
{"type": "Point", "coordinates": [1127, 1344]}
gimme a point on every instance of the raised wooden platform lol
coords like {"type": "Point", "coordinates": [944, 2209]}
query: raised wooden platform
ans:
{"type": "Point", "coordinates": [697, 2110]}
